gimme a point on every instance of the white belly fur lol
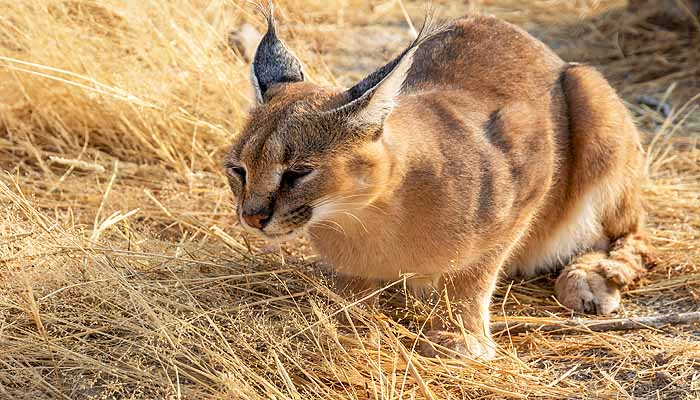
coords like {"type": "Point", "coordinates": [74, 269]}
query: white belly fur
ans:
{"type": "Point", "coordinates": [580, 232]}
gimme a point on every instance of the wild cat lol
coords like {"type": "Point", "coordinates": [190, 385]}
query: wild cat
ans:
{"type": "Point", "coordinates": [475, 151]}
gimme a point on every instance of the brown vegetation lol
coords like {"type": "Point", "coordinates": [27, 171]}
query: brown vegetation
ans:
{"type": "Point", "coordinates": [123, 275]}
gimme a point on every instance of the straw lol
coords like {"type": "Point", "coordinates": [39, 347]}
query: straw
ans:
{"type": "Point", "coordinates": [123, 273]}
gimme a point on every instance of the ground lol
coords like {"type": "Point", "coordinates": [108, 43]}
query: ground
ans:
{"type": "Point", "coordinates": [123, 273]}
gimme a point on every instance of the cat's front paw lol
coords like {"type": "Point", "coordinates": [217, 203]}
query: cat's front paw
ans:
{"type": "Point", "coordinates": [456, 344]}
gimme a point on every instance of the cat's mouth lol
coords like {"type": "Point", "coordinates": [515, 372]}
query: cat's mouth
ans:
{"type": "Point", "coordinates": [281, 236]}
{"type": "Point", "coordinates": [277, 235]}
{"type": "Point", "coordinates": [284, 227]}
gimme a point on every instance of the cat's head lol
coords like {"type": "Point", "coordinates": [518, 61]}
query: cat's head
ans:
{"type": "Point", "coordinates": [308, 153]}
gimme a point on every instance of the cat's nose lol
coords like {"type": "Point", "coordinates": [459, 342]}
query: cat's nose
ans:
{"type": "Point", "coordinates": [258, 218]}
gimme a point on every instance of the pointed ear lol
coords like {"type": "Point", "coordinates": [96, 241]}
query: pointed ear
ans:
{"type": "Point", "coordinates": [376, 103]}
{"type": "Point", "coordinates": [371, 100]}
{"type": "Point", "coordinates": [273, 62]}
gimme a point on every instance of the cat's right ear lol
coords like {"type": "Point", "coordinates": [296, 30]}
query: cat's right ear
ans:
{"type": "Point", "coordinates": [273, 63]}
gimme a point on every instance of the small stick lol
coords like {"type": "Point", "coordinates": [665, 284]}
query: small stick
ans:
{"type": "Point", "coordinates": [598, 325]}
{"type": "Point", "coordinates": [408, 20]}
{"type": "Point", "coordinates": [80, 164]}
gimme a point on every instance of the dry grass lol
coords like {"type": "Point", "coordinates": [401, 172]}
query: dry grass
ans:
{"type": "Point", "coordinates": [123, 275]}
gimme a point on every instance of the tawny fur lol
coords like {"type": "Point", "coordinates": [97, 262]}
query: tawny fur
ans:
{"type": "Point", "coordinates": [481, 151]}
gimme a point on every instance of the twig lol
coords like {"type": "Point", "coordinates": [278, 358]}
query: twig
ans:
{"type": "Point", "coordinates": [411, 27]}
{"type": "Point", "coordinates": [598, 325]}
{"type": "Point", "coordinates": [80, 164]}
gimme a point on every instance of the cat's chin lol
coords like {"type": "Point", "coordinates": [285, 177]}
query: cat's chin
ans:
{"type": "Point", "coordinates": [281, 236]}
{"type": "Point", "coordinates": [278, 236]}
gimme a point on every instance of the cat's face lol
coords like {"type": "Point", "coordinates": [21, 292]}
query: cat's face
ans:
{"type": "Point", "coordinates": [308, 154]}
{"type": "Point", "coordinates": [295, 165]}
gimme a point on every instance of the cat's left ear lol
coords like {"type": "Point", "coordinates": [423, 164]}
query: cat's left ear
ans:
{"type": "Point", "coordinates": [273, 63]}
{"type": "Point", "coordinates": [376, 96]}
{"type": "Point", "coordinates": [370, 101]}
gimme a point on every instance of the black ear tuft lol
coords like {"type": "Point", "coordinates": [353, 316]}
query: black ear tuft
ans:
{"type": "Point", "coordinates": [273, 62]}
{"type": "Point", "coordinates": [370, 101]}
{"type": "Point", "coordinates": [428, 31]}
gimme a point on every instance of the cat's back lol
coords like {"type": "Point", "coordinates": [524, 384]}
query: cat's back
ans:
{"type": "Point", "coordinates": [486, 56]}
{"type": "Point", "coordinates": [483, 112]}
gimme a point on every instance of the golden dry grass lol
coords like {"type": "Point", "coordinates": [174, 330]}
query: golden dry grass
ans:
{"type": "Point", "coordinates": [123, 274]}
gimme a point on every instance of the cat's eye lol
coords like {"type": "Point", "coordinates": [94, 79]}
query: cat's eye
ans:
{"type": "Point", "coordinates": [291, 176]}
{"type": "Point", "coordinates": [236, 170]}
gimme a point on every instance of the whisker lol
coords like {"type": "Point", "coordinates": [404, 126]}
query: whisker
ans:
{"type": "Point", "coordinates": [337, 197]}
{"type": "Point", "coordinates": [322, 224]}
{"type": "Point", "coordinates": [279, 247]}
{"type": "Point", "coordinates": [374, 207]}
{"type": "Point", "coordinates": [342, 230]}
{"type": "Point", "coordinates": [348, 207]}
{"type": "Point", "coordinates": [358, 220]}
